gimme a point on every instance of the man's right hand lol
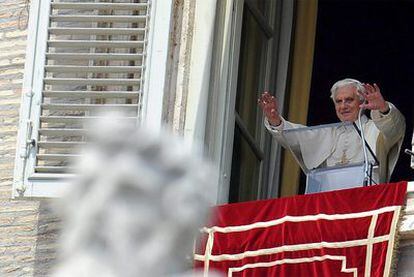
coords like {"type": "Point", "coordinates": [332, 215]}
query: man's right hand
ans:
{"type": "Point", "coordinates": [268, 104]}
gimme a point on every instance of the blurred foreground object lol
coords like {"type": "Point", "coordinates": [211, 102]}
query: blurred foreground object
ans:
{"type": "Point", "coordinates": [136, 207]}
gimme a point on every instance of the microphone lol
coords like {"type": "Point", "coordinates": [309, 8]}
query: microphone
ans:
{"type": "Point", "coordinates": [362, 97]}
{"type": "Point", "coordinates": [367, 167]}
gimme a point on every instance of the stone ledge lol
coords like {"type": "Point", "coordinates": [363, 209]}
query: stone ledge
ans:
{"type": "Point", "coordinates": [407, 226]}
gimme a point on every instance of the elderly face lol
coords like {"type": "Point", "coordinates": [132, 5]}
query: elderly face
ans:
{"type": "Point", "coordinates": [347, 103]}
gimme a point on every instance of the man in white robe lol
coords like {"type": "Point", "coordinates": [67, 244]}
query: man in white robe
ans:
{"type": "Point", "coordinates": [384, 132]}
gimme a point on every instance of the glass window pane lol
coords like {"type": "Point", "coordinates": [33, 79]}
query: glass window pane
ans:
{"type": "Point", "coordinates": [245, 171]}
{"type": "Point", "coordinates": [245, 174]}
{"type": "Point", "coordinates": [262, 6]}
{"type": "Point", "coordinates": [251, 71]}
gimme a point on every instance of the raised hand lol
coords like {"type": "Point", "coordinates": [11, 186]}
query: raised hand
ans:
{"type": "Point", "coordinates": [268, 104]}
{"type": "Point", "coordinates": [373, 98]}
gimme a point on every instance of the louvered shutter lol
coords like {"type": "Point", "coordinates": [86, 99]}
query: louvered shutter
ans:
{"type": "Point", "coordinates": [94, 60]}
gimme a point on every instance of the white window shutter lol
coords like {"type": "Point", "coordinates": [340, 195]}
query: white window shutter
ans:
{"type": "Point", "coordinates": [89, 57]}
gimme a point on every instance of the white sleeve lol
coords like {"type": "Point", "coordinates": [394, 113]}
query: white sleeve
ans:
{"type": "Point", "coordinates": [391, 125]}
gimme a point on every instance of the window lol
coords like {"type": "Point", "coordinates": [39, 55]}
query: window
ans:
{"type": "Point", "coordinates": [85, 58]}
{"type": "Point", "coordinates": [252, 45]}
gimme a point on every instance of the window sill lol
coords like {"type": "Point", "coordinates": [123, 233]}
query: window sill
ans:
{"type": "Point", "coordinates": [45, 186]}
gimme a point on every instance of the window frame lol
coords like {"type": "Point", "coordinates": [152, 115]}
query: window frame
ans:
{"type": "Point", "coordinates": [221, 119]}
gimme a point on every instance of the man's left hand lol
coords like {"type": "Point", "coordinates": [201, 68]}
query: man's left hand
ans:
{"type": "Point", "coordinates": [373, 99]}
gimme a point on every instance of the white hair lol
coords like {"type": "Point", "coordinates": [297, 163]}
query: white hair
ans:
{"type": "Point", "coordinates": [344, 83]}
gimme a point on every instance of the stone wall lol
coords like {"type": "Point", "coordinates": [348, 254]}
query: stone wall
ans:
{"type": "Point", "coordinates": [28, 229]}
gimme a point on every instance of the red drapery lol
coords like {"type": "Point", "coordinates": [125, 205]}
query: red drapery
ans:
{"type": "Point", "coordinates": [339, 233]}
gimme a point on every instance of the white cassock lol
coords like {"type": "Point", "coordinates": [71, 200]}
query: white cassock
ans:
{"type": "Point", "coordinates": [329, 147]}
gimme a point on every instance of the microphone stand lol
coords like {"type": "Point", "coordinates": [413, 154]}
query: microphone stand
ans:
{"type": "Point", "coordinates": [411, 153]}
{"type": "Point", "coordinates": [367, 166]}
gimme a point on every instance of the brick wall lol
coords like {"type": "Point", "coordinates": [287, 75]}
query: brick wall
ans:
{"type": "Point", "coordinates": [28, 229]}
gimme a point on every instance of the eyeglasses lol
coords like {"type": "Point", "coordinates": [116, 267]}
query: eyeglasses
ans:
{"type": "Point", "coordinates": [346, 101]}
